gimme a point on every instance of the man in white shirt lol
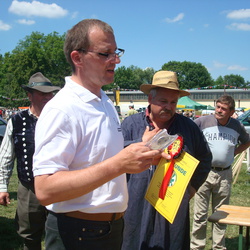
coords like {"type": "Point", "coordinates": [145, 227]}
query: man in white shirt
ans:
{"type": "Point", "coordinates": [79, 161]}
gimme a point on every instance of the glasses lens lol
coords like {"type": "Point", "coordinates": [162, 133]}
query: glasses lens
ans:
{"type": "Point", "coordinates": [119, 52]}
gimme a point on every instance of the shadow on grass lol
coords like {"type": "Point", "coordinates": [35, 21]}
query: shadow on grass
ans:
{"type": "Point", "coordinates": [13, 195]}
{"type": "Point", "coordinates": [233, 243]}
{"type": "Point", "coordinates": [9, 239]}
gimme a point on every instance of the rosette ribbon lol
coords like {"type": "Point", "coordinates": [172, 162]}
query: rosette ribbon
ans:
{"type": "Point", "coordinates": [174, 150]}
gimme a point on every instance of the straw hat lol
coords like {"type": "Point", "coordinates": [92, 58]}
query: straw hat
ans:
{"type": "Point", "coordinates": [39, 82]}
{"type": "Point", "coordinates": [164, 79]}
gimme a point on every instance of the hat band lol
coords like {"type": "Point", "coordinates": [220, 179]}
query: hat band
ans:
{"type": "Point", "coordinates": [33, 84]}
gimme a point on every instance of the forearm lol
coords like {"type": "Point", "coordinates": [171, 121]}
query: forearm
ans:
{"type": "Point", "coordinates": [7, 156]}
{"type": "Point", "coordinates": [66, 185]}
{"type": "Point", "coordinates": [241, 148]}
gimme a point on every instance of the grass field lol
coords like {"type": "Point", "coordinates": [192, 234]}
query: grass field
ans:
{"type": "Point", "coordinates": [9, 240]}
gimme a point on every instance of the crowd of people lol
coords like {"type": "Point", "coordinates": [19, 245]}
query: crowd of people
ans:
{"type": "Point", "coordinates": [83, 173]}
{"type": "Point", "coordinates": [7, 113]}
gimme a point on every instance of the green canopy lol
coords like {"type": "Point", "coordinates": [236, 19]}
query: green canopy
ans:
{"type": "Point", "coordinates": [210, 107]}
{"type": "Point", "coordinates": [190, 104]}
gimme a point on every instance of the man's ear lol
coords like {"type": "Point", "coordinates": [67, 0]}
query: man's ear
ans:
{"type": "Point", "coordinates": [29, 96]}
{"type": "Point", "coordinates": [76, 58]}
{"type": "Point", "coordinates": [149, 98]}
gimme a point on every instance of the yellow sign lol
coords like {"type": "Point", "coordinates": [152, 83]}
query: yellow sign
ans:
{"type": "Point", "coordinates": [184, 168]}
{"type": "Point", "coordinates": [117, 94]}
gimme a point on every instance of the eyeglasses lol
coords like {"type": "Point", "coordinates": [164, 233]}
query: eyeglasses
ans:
{"type": "Point", "coordinates": [108, 56]}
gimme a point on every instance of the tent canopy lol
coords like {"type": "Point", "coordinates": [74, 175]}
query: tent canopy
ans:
{"type": "Point", "coordinates": [210, 107]}
{"type": "Point", "coordinates": [190, 104]}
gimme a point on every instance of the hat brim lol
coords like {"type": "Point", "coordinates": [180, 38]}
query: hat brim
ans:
{"type": "Point", "coordinates": [145, 88]}
{"type": "Point", "coordinates": [44, 89]}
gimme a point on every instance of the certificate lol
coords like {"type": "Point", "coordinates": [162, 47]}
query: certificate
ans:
{"type": "Point", "coordinates": [184, 167]}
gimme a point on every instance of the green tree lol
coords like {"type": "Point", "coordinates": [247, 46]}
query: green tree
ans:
{"type": "Point", "coordinates": [219, 82]}
{"type": "Point", "coordinates": [131, 77]}
{"type": "Point", "coordinates": [229, 81]}
{"type": "Point", "coordinates": [234, 81]}
{"type": "Point", "coordinates": [190, 74]}
{"type": "Point", "coordinates": [35, 53]}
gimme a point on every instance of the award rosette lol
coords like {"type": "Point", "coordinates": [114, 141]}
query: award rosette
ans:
{"type": "Point", "coordinates": [170, 180]}
{"type": "Point", "coordinates": [174, 150]}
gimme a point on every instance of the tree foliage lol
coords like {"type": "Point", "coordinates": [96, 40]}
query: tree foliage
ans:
{"type": "Point", "coordinates": [36, 53]}
{"type": "Point", "coordinates": [190, 74]}
{"type": "Point", "coordinates": [44, 53]}
{"type": "Point", "coordinates": [131, 77]}
{"type": "Point", "coordinates": [230, 81]}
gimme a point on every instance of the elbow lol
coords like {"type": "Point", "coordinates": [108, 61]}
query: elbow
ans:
{"type": "Point", "coordinates": [43, 199]}
{"type": "Point", "coordinates": [41, 192]}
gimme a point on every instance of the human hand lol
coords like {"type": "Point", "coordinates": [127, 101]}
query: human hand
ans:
{"type": "Point", "coordinates": [4, 198]}
{"type": "Point", "coordinates": [149, 134]}
{"type": "Point", "coordinates": [191, 191]}
{"type": "Point", "coordinates": [137, 157]}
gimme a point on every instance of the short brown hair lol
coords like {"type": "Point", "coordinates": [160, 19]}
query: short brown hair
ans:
{"type": "Point", "coordinates": [227, 99]}
{"type": "Point", "coordinates": [78, 36]}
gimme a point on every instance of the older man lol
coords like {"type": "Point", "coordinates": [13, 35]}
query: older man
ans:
{"type": "Point", "coordinates": [145, 228]}
{"type": "Point", "coordinates": [226, 138]}
{"type": "Point", "coordinates": [19, 144]}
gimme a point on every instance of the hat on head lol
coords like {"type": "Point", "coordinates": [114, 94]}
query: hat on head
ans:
{"type": "Point", "coordinates": [39, 82]}
{"type": "Point", "coordinates": [164, 79]}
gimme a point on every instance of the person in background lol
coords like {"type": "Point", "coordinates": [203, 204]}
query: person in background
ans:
{"type": "Point", "coordinates": [226, 138]}
{"type": "Point", "coordinates": [79, 160]}
{"type": "Point", "coordinates": [131, 110]}
{"type": "Point", "coordinates": [145, 228]}
{"type": "Point", "coordinates": [18, 143]}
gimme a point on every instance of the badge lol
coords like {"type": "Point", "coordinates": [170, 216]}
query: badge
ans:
{"type": "Point", "coordinates": [174, 150]}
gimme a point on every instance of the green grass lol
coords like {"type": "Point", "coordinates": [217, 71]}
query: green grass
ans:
{"type": "Point", "coordinates": [239, 197]}
{"type": "Point", "coordinates": [9, 240]}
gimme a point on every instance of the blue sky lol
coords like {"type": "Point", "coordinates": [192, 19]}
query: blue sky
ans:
{"type": "Point", "coordinates": [215, 33]}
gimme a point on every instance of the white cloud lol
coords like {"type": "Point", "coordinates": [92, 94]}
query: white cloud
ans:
{"type": "Point", "coordinates": [239, 14]}
{"type": "Point", "coordinates": [36, 8]}
{"type": "Point", "coordinates": [178, 18]}
{"type": "Point", "coordinates": [74, 15]}
{"type": "Point", "coordinates": [26, 22]}
{"type": "Point", "coordinates": [239, 26]}
{"type": "Point", "coordinates": [4, 26]}
{"type": "Point", "coordinates": [237, 68]}
{"type": "Point", "coordinates": [219, 65]}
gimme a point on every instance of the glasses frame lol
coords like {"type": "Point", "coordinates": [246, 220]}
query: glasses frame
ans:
{"type": "Point", "coordinates": [109, 56]}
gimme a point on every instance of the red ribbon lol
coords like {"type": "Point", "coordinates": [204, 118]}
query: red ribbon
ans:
{"type": "Point", "coordinates": [166, 179]}
{"type": "Point", "coordinates": [174, 150]}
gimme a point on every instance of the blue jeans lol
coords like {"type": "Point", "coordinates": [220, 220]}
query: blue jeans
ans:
{"type": "Point", "coordinates": [67, 233]}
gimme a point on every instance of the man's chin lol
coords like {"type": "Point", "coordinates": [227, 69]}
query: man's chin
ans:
{"type": "Point", "coordinates": [166, 117]}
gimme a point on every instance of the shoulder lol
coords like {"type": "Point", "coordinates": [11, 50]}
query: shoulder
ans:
{"type": "Point", "coordinates": [133, 120]}
{"type": "Point", "coordinates": [236, 125]}
{"type": "Point", "coordinates": [20, 114]}
{"type": "Point", "coordinates": [206, 121]}
{"type": "Point", "coordinates": [185, 120]}
{"type": "Point", "coordinates": [135, 117]}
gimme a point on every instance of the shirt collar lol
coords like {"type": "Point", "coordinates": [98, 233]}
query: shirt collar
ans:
{"type": "Point", "coordinates": [32, 115]}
